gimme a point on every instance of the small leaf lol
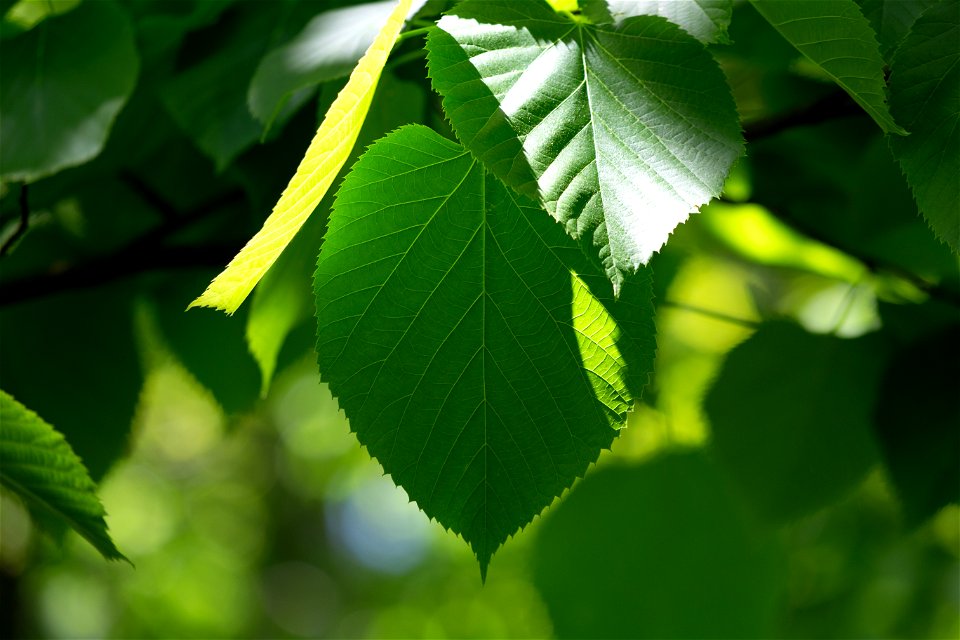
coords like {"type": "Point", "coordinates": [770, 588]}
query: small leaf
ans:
{"type": "Point", "coordinates": [481, 372]}
{"type": "Point", "coordinates": [38, 465]}
{"type": "Point", "coordinates": [705, 20]}
{"type": "Point", "coordinates": [621, 131]}
{"type": "Point", "coordinates": [791, 417]}
{"type": "Point", "coordinates": [62, 86]}
{"type": "Point", "coordinates": [837, 38]}
{"type": "Point", "coordinates": [328, 48]}
{"type": "Point", "coordinates": [662, 549]}
{"type": "Point", "coordinates": [327, 153]}
{"type": "Point", "coordinates": [925, 97]}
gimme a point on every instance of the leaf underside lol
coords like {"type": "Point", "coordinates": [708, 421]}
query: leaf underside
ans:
{"type": "Point", "coordinates": [925, 97]}
{"type": "Point", "coordinates": [459, 329]}
{"type": "Point", "coordinates": [38, 465]}
{"type": "Point", "coordinates": [621, 131]}
{"type": "Point", "coordinates": [325, 156]}
{"type": "Point", "coordinates": [705, 20]}
{"type": "Point", "coordinates": [835, 36]}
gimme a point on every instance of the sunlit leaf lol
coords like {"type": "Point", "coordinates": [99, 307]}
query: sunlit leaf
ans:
{"type": "Point", "coordinates": [659, 550]}
{"type": "Point", "coordinates": [791, 417]}
{"type": "Point", "coordinates": [63, 84]}
{"type": "Point", "coordinates": [622, 131]}
{"type": "Point", "coordinates": [925, 97]}
{"type": "Point", "coordinates": [836, 37]}
{"type": "Point", "coordinates": [705, 20]}
{"type": "Point", "coordinates": [326, 154]}
{"type": "Point", "coordinates": [481, 372]}
{"type": "Point", "coordinates": [38, 465]}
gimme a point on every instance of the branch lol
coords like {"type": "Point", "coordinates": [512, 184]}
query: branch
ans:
{"type": "Point", "coordinates": [22, 224]}
{"type": "Point", "coordinates": [836, 104]}
{"type": "Point", "coordinates": [145, 253]}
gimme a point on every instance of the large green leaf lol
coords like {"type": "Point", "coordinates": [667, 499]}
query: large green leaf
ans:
{"type": "Point", "coordinates": [38, 465]}
{"type": "Point", "coordinates": [622, 131]}
{"type": "Point", "coordinates": [837, 38]}
{"type": "Point", "coordinates": [328, 48]}
{"type": "Point", "coordinates": [464, 337]}
{"type": "Point", "coordinates": [62, 85]}
{"type": "Point", "coordinates": [705, 20]}
{"type": "Point", "coordinates": [791, 416]}
{"type": "Point", "coordinates": [659, 550]}
{"type": "Point", "coordinates": [925, 97]}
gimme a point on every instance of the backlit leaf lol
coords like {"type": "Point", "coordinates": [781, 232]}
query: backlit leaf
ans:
{"type": "Point", "coordinates": [38, 465]}
{"type": "Point", "coordinates": [464, 336]}
{"type": "Point", "coordinates": [63, 84]}
{"type": "Point", "coordinates": [325, 156]}
{"type": "Point", "coordinates": [925, 97]}
{"type": "Point", "coordinates": [621, 131]}
{"type": "Point", "coordinates": [837, 38]}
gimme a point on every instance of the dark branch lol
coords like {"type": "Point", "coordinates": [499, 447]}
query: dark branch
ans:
{"type": "Point", "coordinates": [834, 105]}
{"type": "Point", "coordinates": [148, 252]}
{"type": "Point", "coordinates": [22, 224]}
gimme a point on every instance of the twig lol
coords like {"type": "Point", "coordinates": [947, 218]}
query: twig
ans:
{"type": "Point", "coordinates": [709, 313]}
{"type": "Point", "coordinates": [830, 107]}
{"type": "Point", "coordinates": [22, 224]}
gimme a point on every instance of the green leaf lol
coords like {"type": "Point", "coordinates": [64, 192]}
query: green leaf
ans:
{"type": "Point", "coordinates": [791, 416]}
{"type": "Point", "coordinates": [837, 38]}
{"type": "Point", "coordinates": [705, 20]}
{"type": "Point", "coordinates": [328, 48]}
{"type": "Point", "coordinates": [892, 19]}
{"type": "Point", "coordinates": [325, 156]}
{"type": "Point", "coordinates": [61, 89]}
{"type": "Point", "coordinates": [925, 97]}
{"type": "Point", "coordinates": [620, 141]}
{"type": "Point", "coordinates": [917, 420]}
{"type": "Point", "coordinates": [658, 550]}
{"type": "Point", "coordinates": [463, 335]}
{"type": "Point", "coordinates": [38, 465]}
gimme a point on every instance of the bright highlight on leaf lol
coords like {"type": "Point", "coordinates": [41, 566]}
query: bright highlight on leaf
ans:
{"type": "Point", "coordinates": [39, 466]}
{"type": "Point", "coordinates": [621, 130]}
{"type": "Point", "coordinates": [705, 20]}
{"type": "Point", "coordinates": [836, 37]}
{"type": "Point", "coordinates": [476, 352]}
{"type": "Point", "coordinates": [327, 153]}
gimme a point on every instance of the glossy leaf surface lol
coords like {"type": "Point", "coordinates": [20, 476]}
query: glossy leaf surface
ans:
{"type": "Point", "coordinates": [462, 334]}
{"type": "Point", "coordinates": [621, 131]}
{"type": "Point", "coordinates": [62, 86]}
{"type": "Point", "coordinates": [705, 20]}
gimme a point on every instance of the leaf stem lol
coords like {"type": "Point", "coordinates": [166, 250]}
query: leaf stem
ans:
{"type": "Point", "coordinates": [22, 224]}
{"type": "Point", "coordinates": [709, 313]}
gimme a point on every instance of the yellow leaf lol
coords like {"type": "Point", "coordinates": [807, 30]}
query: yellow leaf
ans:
{"type": "Point", "coordinates": [325, 156]}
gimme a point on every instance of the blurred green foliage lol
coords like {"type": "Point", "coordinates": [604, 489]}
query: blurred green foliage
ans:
{"type": "Point", "coordinates": [792, 470]}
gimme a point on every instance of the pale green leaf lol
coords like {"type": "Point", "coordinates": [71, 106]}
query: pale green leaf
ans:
{"type": "Point", "coordinates": [621, 131]}
{"type": "Point", "coordinates": [925, 97]}
{"type": "Point", "coordinates": [471, 344]}
{"type": "Point", "coordinates": [835, 36]}
{"type": "Point", "coordinates": [63, 84]}
{"type": "Point", "coordinates": [26, 14]}
{"type": "Point", "coordinates": [325, 156]}
{"type": "Point", "coordinates": [38, 465]}
{"type": "Point", "coordinates": [705, 20]}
